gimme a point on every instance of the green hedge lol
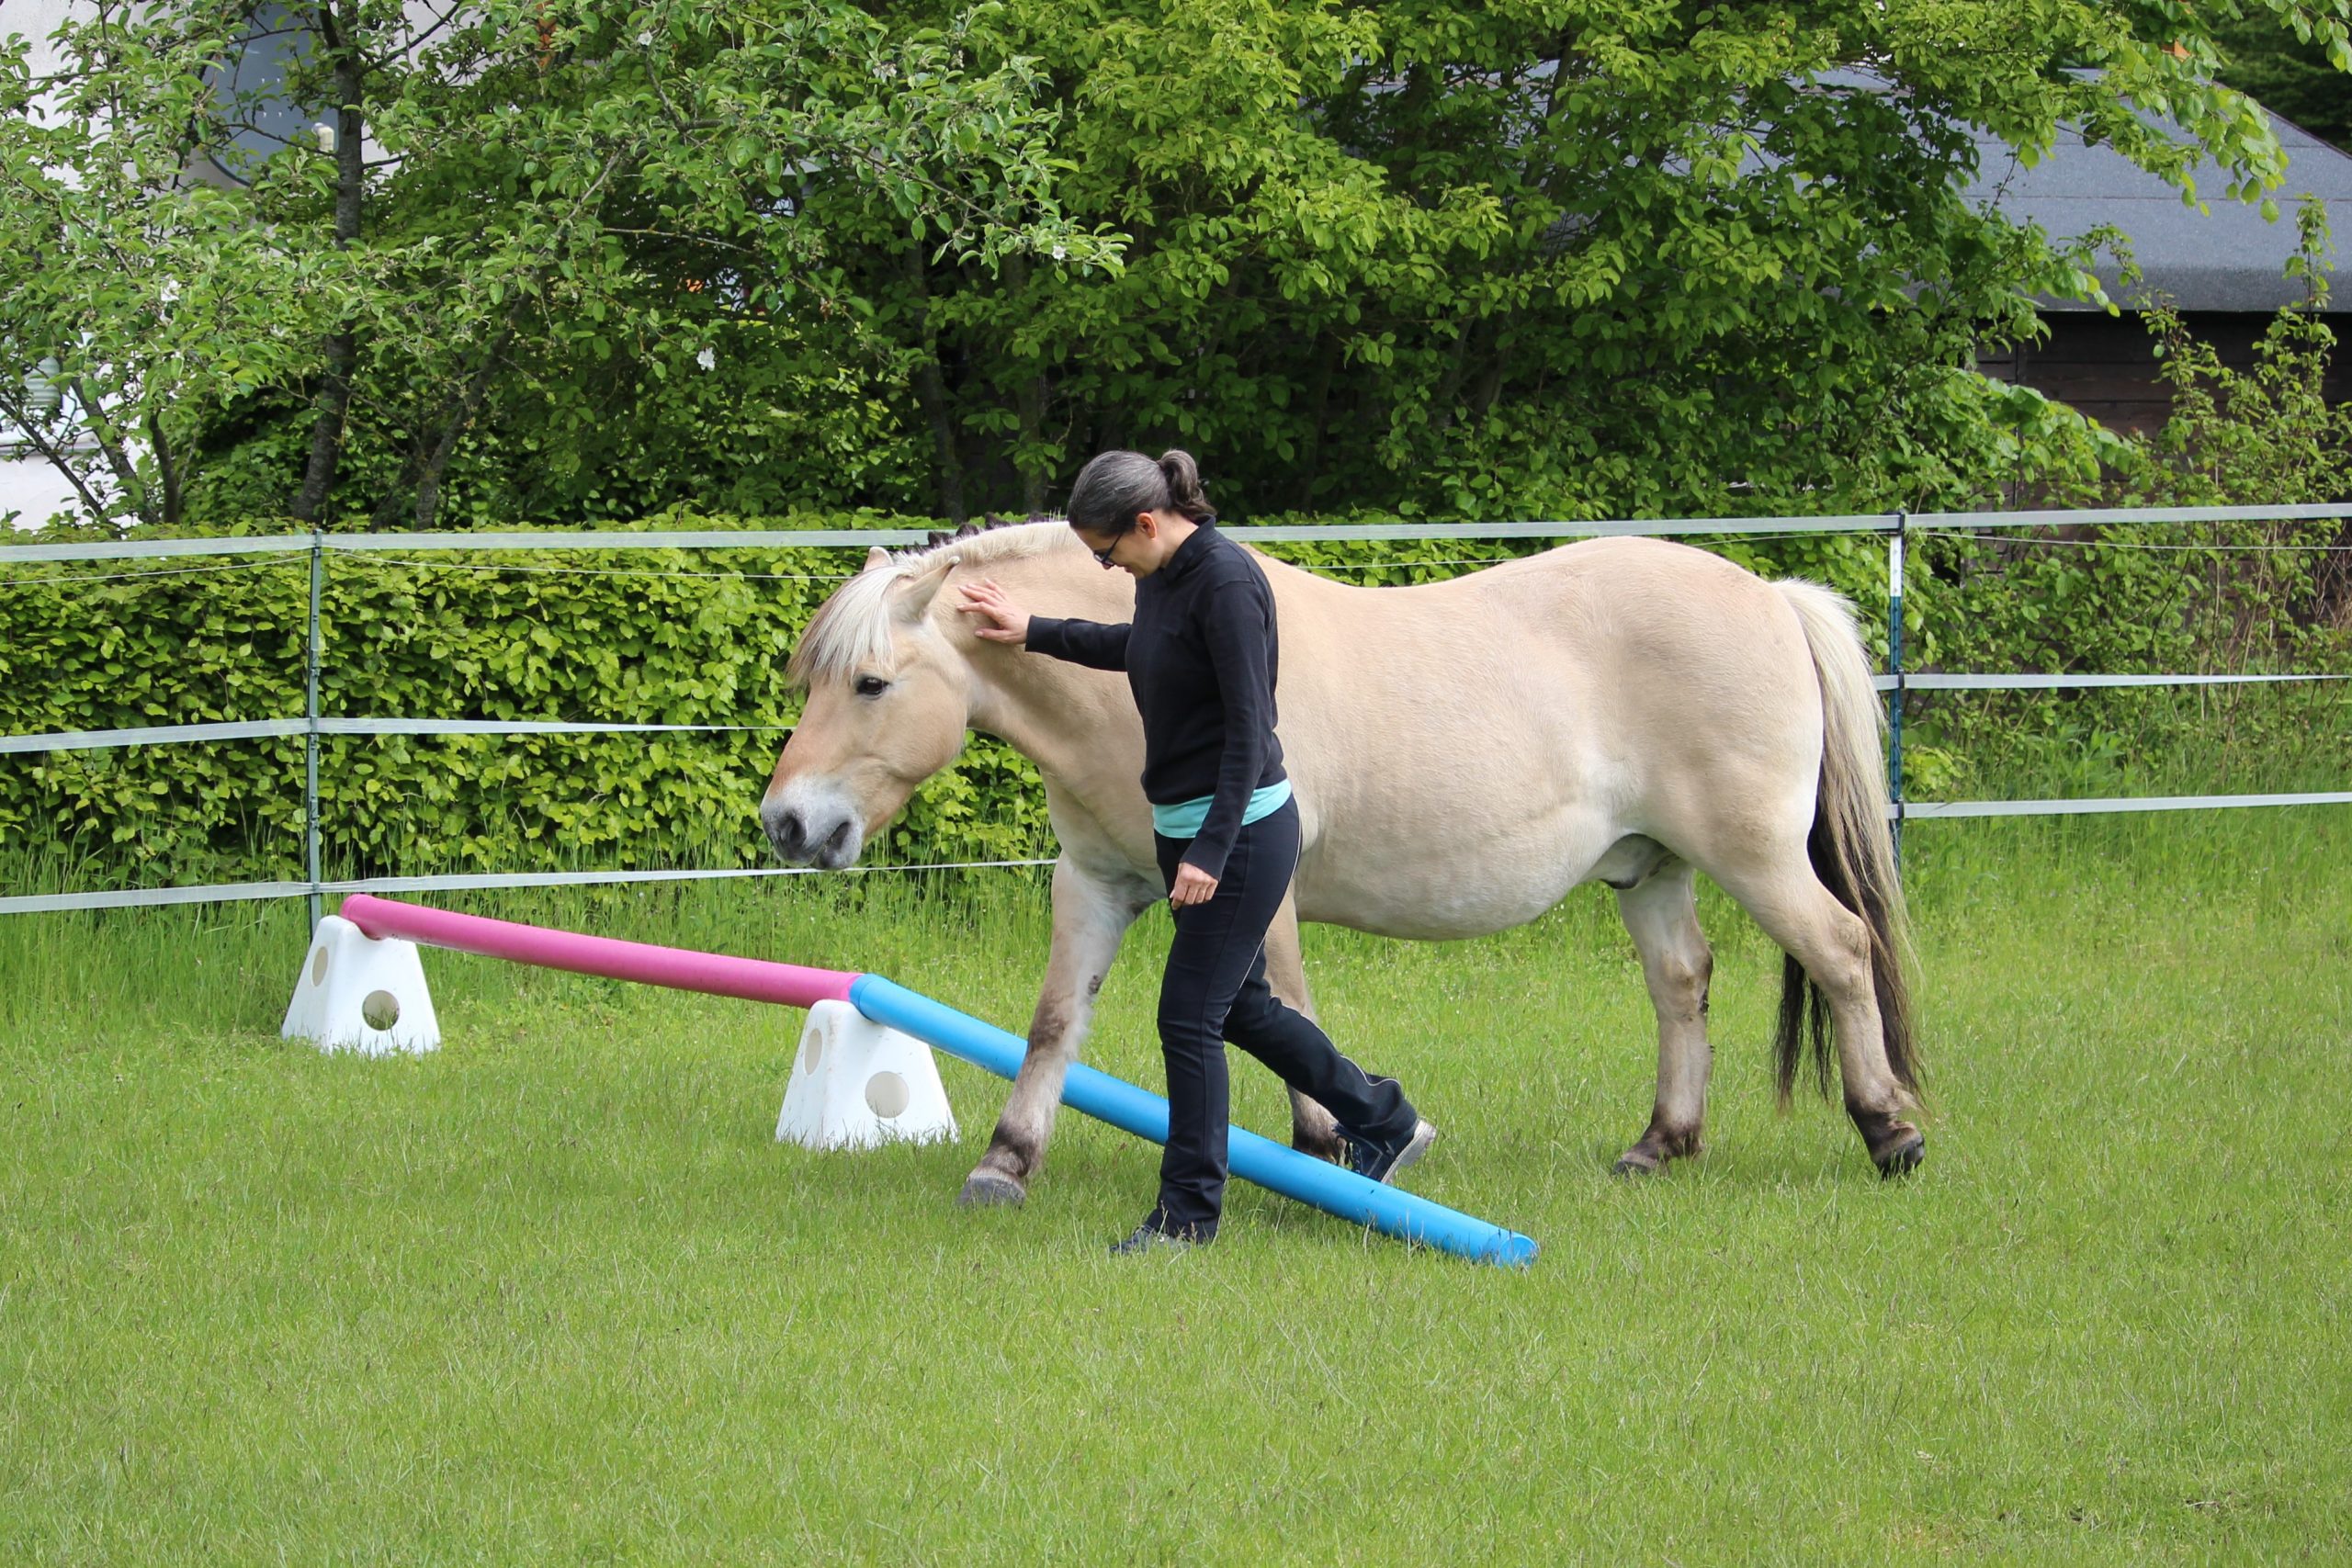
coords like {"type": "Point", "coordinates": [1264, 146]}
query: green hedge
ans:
{"type": "Point", "coordinates": [665, 636]}
{"type": "Point", "coordinates": [675, 637]}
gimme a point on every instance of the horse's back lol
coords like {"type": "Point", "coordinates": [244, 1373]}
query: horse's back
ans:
{"type": "Point", "coordinates": [1618, 609]}
{"type": "Point", "coordinates": [1481, 742]}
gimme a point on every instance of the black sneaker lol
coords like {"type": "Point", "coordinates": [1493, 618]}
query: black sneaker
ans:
{"type": "Point", "coordinates": [1149, 1237]}
{"type": "Point", "coordinates": [1382, 1161]}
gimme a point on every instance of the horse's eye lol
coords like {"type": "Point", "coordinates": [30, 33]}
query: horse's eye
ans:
{"type": "Point", "coordinates": [872, 685]}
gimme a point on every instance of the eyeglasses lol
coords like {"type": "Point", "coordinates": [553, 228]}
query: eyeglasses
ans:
{"type": "Point", "coordinates": [1103, 558]}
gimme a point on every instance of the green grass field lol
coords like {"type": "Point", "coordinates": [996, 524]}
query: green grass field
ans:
{"type": "Point", "coordinates": [553, 1294]}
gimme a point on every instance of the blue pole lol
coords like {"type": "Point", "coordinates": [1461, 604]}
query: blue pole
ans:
{"type": "Point", "coordinates": [1356, 1198]}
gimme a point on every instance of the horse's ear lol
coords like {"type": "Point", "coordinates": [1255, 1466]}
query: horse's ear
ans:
{"type": "Point", "coordinates": [913, 597]}
{"type": "Point", "coordinates": [877, 556]}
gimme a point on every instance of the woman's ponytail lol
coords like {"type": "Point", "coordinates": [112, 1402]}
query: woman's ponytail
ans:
{"type": "Point", "coordinates": [1184, 494]}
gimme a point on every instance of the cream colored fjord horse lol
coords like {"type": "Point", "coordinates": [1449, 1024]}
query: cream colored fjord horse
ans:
{"type": "Point", "coordinates": [1625, 710]}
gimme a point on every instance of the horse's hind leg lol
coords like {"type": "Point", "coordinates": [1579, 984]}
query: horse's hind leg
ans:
{"type": "Point", "coordinates": [1833, 945]}
{"type": "Point", "coordinates": [1662, 913]}
{"type": "Point", "coordinates": [1090, 916]}
{"type": "Point", "coordinates": [1312, 1130]}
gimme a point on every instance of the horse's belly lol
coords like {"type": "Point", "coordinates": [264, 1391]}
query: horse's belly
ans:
{"type": "Point", "coordinates": [1441, 893]}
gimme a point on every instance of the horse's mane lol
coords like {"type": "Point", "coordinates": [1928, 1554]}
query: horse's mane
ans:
{"type": "Point", "coordinates": [852, 628]}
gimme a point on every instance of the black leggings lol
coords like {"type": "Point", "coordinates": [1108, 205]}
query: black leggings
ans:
{"type": "Point", "coordinates": [1215, 991]}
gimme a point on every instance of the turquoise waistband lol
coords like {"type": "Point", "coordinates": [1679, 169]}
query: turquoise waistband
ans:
{"type": "Point", "coordinates": [1184, 819]}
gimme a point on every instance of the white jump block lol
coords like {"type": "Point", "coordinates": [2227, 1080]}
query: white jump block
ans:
{"type": "Point", "coordinates": [856, 1084]}
{"type": "Point", "coordinates": [358, 994]}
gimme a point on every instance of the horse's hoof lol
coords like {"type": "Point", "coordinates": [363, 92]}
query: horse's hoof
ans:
{"type": "Point", "coordinates": [1903, 1158]}
{"type": "Point", "coordinates": [1331, 1151]}
{"type": "Point", "coordinates": [1636, 1165]}
{"type": "Point", "coordinates": [990, 1189]}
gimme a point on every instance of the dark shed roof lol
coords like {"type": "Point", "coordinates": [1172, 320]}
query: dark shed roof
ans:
{"type": "Point", "coordinates": [2227, 258]}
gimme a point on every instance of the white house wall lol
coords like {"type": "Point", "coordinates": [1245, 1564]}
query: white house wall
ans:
{"type": "Point", "coordinates": [30, 490]}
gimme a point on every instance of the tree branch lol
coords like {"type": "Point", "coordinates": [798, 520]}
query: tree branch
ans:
{"type": "Point", "coordinates": [375, 63]}
{"type": "Point", "coordinates": [56, 457]}
{"type": "Point", "coordinates": [111, 447]}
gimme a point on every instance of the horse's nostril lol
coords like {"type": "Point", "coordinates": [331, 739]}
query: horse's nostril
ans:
{"type": "Point", "coordinates": [785, 828]}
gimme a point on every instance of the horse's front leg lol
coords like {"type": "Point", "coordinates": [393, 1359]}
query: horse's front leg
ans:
{"type": "Point", "coordinates": [1312, 1130]}
{"type": "Point", "coordinates": [1091, 914]}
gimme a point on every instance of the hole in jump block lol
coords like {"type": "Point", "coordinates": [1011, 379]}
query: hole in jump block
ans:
{"type": "Point", "coordinates": [887, 1094]}
{"type": "Point", "coordinates": [319, 965]}
{"type": "Point", "coordinates": [381, 1010]}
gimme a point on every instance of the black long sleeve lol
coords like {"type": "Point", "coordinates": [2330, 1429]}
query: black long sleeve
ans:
{"type": "Point", "coordinates": [1090, 643]}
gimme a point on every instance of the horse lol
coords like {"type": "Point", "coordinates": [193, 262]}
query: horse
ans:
{"type": "Point", "coordinates": [1463, 753]}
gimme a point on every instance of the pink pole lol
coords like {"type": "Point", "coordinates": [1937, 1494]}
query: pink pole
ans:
{"type": "Point", "coordinates": [753, 979]}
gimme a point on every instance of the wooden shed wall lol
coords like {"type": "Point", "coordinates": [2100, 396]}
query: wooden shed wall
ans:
{"type": "Point", "coordinates": [2107, 365]}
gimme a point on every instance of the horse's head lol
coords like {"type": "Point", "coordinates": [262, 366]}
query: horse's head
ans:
{"type": "Point", "coordinates": [888, 700]}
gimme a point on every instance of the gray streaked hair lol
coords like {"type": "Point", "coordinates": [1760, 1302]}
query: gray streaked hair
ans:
{"type": "Point", "coordinates": [1114, 486]}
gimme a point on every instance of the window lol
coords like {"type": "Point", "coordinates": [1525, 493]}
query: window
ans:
{"type": "Point", "coordinates": [251, 84]}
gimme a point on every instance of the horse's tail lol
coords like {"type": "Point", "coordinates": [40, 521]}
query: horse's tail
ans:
{"type": "Point", "coordinates": [1851, 846]}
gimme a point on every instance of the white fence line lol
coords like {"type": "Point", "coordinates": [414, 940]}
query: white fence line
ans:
{"type": "Point", "coordinates": [312, 726]}
{"type": "Point", "coordinates": [161, 734]}
{"type": "Point", "coordinates": [1939, 683]}
{"type": "Point", "coordinates": [1917, 808]}
{"type": "Point", "coordinates": [840, 538]}
{"type": "Point", "coordinates": [281, 728]}
{"type": "Point", "coordinates": [235, 892]}
{"type": "Point", "coordinates": [563, 539]}
{"type": "Point", "coordinates": [284, 729]}
{"type": "Point", "coordinates": [2121, 516]}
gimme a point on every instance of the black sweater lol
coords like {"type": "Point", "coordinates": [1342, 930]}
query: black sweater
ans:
{"type": "Point", "coordinates": [1201, 657]}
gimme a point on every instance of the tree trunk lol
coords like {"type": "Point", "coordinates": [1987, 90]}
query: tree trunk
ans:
{"type": "Point", "coordinates": [1318, 405]}
{"type": "Point", "coordinates": [1029, 399]}
{"type": "Point", "coordinates": [167, 471]}
{"type": "Point", "coordinates": [436, 468]}
{"type": "Point", "coordinates": [1490, 380]}
{"type": "Point", "coordinates": [931, 391]}
{"type": "Point", "coordinates": [1030, 395]}
{"type": "Point", "coordinates": [428, 463]}
{"type": "Point", "coordinates": [1444, 401]}
{"type": "Point", "coordinates": [332, 403]}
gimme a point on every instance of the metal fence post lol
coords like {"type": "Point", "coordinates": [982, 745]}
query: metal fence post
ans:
{"type": "Point", "coordinates": [1895, 664]}
{"type": "Point", "coordinates": [310, 743]}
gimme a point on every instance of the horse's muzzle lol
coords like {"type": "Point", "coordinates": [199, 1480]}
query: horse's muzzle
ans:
{"type": "Point", "coordinates": [788, 831]}
{"type": "Point", "coordinates": [797, 842]}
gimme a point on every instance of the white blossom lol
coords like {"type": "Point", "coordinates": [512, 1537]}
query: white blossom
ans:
{"type": "Point", "coordinates": [707, 360]}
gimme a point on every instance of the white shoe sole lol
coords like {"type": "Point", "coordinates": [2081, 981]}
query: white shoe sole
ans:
{"type": "Point", "coordinates": [1424, 1135]}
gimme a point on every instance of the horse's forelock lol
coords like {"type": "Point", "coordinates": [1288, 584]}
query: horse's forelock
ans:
{"type": "Point", "coordinates": [852, 630]}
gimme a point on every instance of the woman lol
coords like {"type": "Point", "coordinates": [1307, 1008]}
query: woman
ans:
{"type": "Point", "coordinates": [1200, 657]}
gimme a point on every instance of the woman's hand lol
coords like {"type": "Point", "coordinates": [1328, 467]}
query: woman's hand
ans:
{"type": "Point", "coordinates": [1006, 621]}
{"type": "Point", "coordinates": [1193, 885]}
